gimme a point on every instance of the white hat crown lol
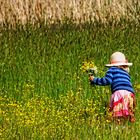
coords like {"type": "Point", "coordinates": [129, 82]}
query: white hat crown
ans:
{"type": "Point", "coordinates": [118, 59]}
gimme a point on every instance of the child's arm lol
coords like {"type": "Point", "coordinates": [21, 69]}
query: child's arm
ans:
{"type": "Point", "coordinates": [107, 80]}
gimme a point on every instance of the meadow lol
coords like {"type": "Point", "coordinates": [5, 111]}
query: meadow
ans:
{"type": "Point", "coordinates": [45, 47]}
{"type": "Point", "coordinates": [44, 91]}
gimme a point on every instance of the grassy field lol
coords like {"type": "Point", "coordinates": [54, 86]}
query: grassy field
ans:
{"type": "Point", "coordinates": [44, 93]}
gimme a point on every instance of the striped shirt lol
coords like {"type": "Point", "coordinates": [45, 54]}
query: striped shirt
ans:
{"type": "Point", "coordinates": [118, 78]}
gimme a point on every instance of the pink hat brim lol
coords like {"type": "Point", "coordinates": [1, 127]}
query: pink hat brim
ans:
{"type": "Point", "coordinates": [118, 64]}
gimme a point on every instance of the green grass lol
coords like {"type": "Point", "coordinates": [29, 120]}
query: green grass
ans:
{"type": "Point", "coordinates": [43, 65]}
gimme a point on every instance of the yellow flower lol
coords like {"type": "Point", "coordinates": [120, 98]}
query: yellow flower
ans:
{"type": "Point", "coordinates": [89, 66]}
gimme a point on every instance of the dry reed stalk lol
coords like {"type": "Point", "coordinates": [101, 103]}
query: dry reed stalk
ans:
{"type": "Point", "coordinates": [49, 11]}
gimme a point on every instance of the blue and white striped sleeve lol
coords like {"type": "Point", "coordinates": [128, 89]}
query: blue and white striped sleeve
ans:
{"type": "Point", "coordinates": [107, 80]}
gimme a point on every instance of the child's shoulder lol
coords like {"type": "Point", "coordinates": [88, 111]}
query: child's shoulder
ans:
{"type": "Point", "coordinates": [116, 69]}
{"type": "Point", "coordinates": [113, 68]}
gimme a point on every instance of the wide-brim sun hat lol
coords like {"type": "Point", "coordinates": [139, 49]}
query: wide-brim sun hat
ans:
{"type": "Point", "coordinates": [118, 59]}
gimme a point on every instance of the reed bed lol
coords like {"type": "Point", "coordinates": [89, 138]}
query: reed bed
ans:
{"type": "Point", "coordinates": [50, 11]}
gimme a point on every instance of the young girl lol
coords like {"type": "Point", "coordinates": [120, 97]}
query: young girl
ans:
{"type": "Point", "coordinates": [122, 102]}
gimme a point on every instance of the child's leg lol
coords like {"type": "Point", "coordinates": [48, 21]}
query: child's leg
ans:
{"type": "Point", "coordinates": [132, 107]}
{"type": "Point", "coordinates": [118, 120]}
{"type": "Point", "coordinates": [132, 118]}
{"type": "Point", "coordinates": [121, 120]}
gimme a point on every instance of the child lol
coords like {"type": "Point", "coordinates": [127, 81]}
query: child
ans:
{"type": "Point", "coordinates": [122, 102]}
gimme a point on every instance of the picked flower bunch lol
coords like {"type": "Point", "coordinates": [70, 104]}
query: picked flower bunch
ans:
{"type": "Point", "coordinates": [89, 67]}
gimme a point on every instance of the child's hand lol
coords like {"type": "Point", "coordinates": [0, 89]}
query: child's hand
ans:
{"type": "Point", "coordinates": [91, 78]}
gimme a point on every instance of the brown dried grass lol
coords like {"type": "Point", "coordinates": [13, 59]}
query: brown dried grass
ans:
{"type": "Point", "coordinates": [50, 11]}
